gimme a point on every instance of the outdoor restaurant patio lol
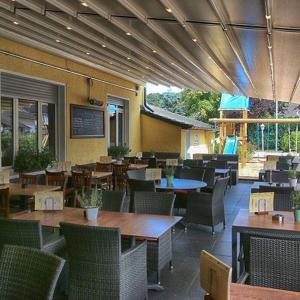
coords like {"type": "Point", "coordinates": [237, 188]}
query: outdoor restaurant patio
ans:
{"type": "Point", "coordinates": [149, 149]}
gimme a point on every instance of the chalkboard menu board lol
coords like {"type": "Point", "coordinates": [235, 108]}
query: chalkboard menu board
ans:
{"type": "Point", "coordinates": [86, 122]}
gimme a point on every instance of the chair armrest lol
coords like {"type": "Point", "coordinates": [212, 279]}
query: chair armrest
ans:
{"type": "Point", "coordinates": [138, 248]}
{"type": "Point", "coordinates": [56, 246]}
{"type": "Point", "coordinates": [242, 279]}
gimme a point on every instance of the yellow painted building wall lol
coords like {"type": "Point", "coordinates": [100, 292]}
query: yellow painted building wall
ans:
{"type": "Point", "coordinates": [159, 136]}
{"type": "Point", "coordinates": [202, 139]}
{"type": "Point", "coordinates": [78, 150]}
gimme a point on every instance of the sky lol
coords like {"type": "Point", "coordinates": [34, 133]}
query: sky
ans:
{"type": "Point", "coordinates": [152, 88]}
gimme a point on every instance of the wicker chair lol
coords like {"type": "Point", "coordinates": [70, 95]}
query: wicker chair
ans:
{"type": "Point", "coordinates": [136, 174]}
{"type": "Point", "coordinates": [281, 165]}
{"type": "Point", "coordinates": [98, 267]}
{"type": "Point", "coordinates": [27, 273]}
{"type": "Point", "coordinates": [29, 179]}
{"type": "Point", "coordinates": [142, 161]}
{"type": "Point", "coordinates": [80, 180]}
{"type": "Point", "coordinates": [207, 208]}
{"type": "Point", "coordinates": [159, 253]}
{"type": "Point", "coordinates": [58, 179]}
{"type": "Point", "coordinates": [218, 164]}
{"type": "Point", "coordinates": [277, 176]}
{"type": "Point", "coordinates": [275, 263]}
{"type": "Point", "coordinates": [104, 167]}
{"type": "Point", "coordinates": [193, 163]}
{"type": "Point", "coordinates": [113, 200]}
{"type": "Point", "coordinates": [282, 196]}
{"type": "Point", "coordinates": [152, 162]}
{"type": "Point", "coordinates": [209, 178]}
{"type": "Point", "coordinates": [4, 201]}
{"type": "Point", "coordinates": [25, 179]}
{"type": "Point", "coordinates": [120, 176]}
{"type": "Point", "coordinates": [29, 234]}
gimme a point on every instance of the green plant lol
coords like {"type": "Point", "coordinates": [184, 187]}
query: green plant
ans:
{"type": "Point", "coordinates": [152, 153]}
{"type": "Point", "coordinates": [169, 171]}
{"type": "Point", "coordinates": [296, 199]}
{"type": "Point", "coordinates": [118, 151]}
{"type": "Point", "coordinates": [90, 198]}
{"type": "Point", "coordinates": [292, 174]}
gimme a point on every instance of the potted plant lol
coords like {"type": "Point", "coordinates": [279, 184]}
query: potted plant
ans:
{"type": "Point", "coordinates": [91, 201]}
{"type": "Point", "coordinates": [169, 172]}
{"type": "Point", "coordinates": [118, 152]}
{"type": "Point", "coordinates": [152, 154]}
{"type": "Point", "coordinates": [296, 205]}
{"type": "Point", "coordinates": [292, 175]}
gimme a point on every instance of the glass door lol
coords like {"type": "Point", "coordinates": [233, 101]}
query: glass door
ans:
{"type": "Point", "coordinates": [116, 124]}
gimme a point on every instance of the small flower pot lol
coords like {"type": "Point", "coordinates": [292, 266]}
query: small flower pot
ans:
{"type": "Point", "coordinates": [297, 215]}
{"type": "Point", "coordinates": [91, 213]}
{"type": "Point", "coordinates": [293, 182]}
{"type": "Point", "coordinates": [170, 181]}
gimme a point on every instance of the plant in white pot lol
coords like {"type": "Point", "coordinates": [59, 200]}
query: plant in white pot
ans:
{"type": "Point", "coordinates": [296, 205]}
{"type": "Point", "coordinates": [293, 178]}
{"type": "Point", "coordinates": [169, 172]}
{"type": "Point", "coordinates": [91, 201]}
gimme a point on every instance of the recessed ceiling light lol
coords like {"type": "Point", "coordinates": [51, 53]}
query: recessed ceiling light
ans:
{"type": "Point", "coordinates": [268, 17]}
{"type": "Point", "coordinates": [209, 57]}
{"type": "Point", "coordinates": [147, 68]}
{"type": "Point", "coordinates": [169, 10]}
{"type": "Point", "coordinates": [110, 63]}
{"type": "Point", "coordinates": [84, 4]}
{"type": "Point", "coordinates": [128, 33]}
{"type": "Point", "coordinates": [128, 58]}
{"type": "Point", "coordinates": [88, 53]}
{"type": "Point", "coordinates": [69, 28]}
{"type": "Point", "coordinates": [270, 47]}
{"type": "Point", "coordinates": [128, 70]}
{"type": "Point", "coordinates": [57, 41]}
{"type": "Point", "coordinates": [154, 51]}
{"type": "Point", "coordinates": [195, 40]}
{"type": "Point", "coordinates": [104, 46]}
{"type": "Point", "coordinates": [16, 23]}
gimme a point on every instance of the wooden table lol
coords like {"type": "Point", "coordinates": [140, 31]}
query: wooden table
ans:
{"type": "Point", "coordinates": [248, 292]}
{"type": "Point", "coordinates": [15, 189]}
{"type": "Point", "coordinates": [181, 184]}
{"type": "Point", "coordinates": [245, 222]}
{"type": "Point", "coordinates": [130, 224]}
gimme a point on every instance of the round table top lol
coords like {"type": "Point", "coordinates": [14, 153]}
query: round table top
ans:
{"type": "Point", "coordinates": [181, 184]}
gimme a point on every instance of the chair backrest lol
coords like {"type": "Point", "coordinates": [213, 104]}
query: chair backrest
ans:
{"type": "Point", "coordinates": [218, 164]}
{"type": "Point", "coordinates": [113, 200]}
{"type": "Point", "coordinates": [81, 179]}
{"type": "Point", "coordinates": [208, 156]}
{"type": "Point", "coordinates": [277, 176]}
{"type": "Point", "coordinates": [104, 167]}
{"type": "Point", "coordinates": [282, 196]}
{"type": "Point", "coordinates": [154, 203]}
{"type": "Point", "coordinates": [21, 233]}
{"type": "Point", "coordinates": [136, 174]}
{"type": "Point", "coordinates": [215, 276]}
{"type": "Point", "coordinates": [87, 167]}
{"type": "Point", "coordinates": [275, 263]}
{"type": "Point", "coordinates": [105, 159]}
{"type": "Point", "coordinates": [27, 273]}
{"type": "Point", "coordinates": [282, 165]}
{"type": "Point", "coordinates": [120, 170]}
{"type": "Point", "coordinates": [228, 157]}
{"type": "Point", "coordinates": [57, 179]}
{"type": "Point", "coordinates": [29, 179]}
{"type": "Point", "coordinates": [219, 189]}
{"type": "Point", "coordinates": [94, 254]}
{"type": "Point", "coordinates": [209, 176]}
{"type": "Point", "coordinates": [142, 161]}
{"type": "Point", "coordinates": [193, 173]}
{"type": "Point", "coordinates": [152, 162]}
{"type": "Point", "coordinates": [4, 201]}
{"type": "Point", "coordinates": [193, 163]}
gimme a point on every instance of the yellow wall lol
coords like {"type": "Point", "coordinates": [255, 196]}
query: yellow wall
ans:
{"type": "Point", "coordinates": [78, 150]}
{"type": "Point", "coordinates": [159, 136]}
{"type": "Point", "coordinates": [202, 139]}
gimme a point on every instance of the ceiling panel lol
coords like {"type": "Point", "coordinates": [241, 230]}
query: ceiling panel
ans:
{"type": "Point", "coordinates": [286, 13]}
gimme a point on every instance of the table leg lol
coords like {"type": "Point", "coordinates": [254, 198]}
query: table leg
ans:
{"type": "Point", "coordinates": [234, 254]}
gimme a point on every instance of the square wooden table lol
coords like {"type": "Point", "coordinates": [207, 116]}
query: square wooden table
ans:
{"type": "Point", "coordinates": [247, 222]}
{"type": "Point", "coordinates": [16, 189]}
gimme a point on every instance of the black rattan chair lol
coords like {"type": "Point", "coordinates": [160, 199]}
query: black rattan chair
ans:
{"type": "Point", "coordinates": [159, 253]}
{"type": "Point", "coordinates": [218, 164]}
{"type": "Point", "coordinates": [207, 208]}
{"type": "Point", "coordinates": [29, 234]}
{"type": "Point", "coordinates": [277, 176]}
{"type": "Point", "coordinates": [275, 263]}
{"type": "Point", "coordinates": [27, 273]}
{"type": "Point", "coordinates": [98, 267]}
{"type": "Point", "coordinates": [136, 174]}
{"type": "Point", "coordinates": [282, 196]}
{"type": "Point", "coordinates": [113, 200]}
{"type": "Point", "coordinates": [193, 163]}
{"type": "Point", "coordinates": [209, 177]}
{"type": "Point", "coordinates": [192, 173]}
{"type": "Point", "coordinates": [281, 165]}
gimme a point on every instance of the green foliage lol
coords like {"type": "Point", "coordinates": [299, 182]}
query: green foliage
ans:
{"type": "Point", "coordinates": [90, 198]}
{"type": "Point", "coordinates": [292, 174]}
{"type": "Point", "coordinates": [169, 101]}
{"type": "Point", "coordinates": [296, 199]}
{"type": "Point", "coordinates": [118, 151]}
{"type": "Point", "coordinates": [7, 148]}
{"type": "Point", "coordinates": [250, 151]}
{"type": "Point", "coordinates": [284, 141]}
{"type": "Point", "coordinates": [169, 171]}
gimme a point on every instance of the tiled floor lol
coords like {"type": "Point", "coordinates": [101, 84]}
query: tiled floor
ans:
{"type": "Point", "coordinates": [183, 282]}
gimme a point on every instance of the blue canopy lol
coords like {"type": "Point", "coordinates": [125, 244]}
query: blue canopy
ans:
{"type": "Point", "coordinates": [230, 102]}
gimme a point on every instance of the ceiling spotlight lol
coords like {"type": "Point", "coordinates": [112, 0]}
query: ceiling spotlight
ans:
{"type": "Point", "coordinates": [84, 4]}
{"type": "Point", "coordinates": [195, 40]}
{"type": "Point", "coordinates": [69, 28]}
{"type": "Point", "coordinates": [128, 70]}
{"type": "Point", "coordinates": [103, 46]}
{"type": "Point", "coordinates": [16, 23]}
{"type": "Point", "coordinates": [128, 33]}
{"type": "Point", "coordinates": [147, 68]}
{"type": "Point", "coordinates": [169, 10]}
{"type": "Point", "coordinates": [87, 53]}
{"type": "Point", "coordinates": [270, 46]}
{"type": "Point", "coordinates": [209, 57]}
{"type": "Point", "coordinates": [57, 41]}
{"type": "Point", "coordinates": [268, 17]}
{"type": "Point", "coordinates": [128, 58]}
{"type": "Point", "coordinates": [110, 63]}
{"type": "Point", "coordinates": [154, 51]}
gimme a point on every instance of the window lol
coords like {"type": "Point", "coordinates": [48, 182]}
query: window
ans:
{"type": "Point", "coordinates": [116, 124]}
{"type": "Point", "coordinates": [48, 127]}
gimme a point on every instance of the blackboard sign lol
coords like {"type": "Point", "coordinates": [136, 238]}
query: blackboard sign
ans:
{"type": "Point", "coordinates": [86, 122]}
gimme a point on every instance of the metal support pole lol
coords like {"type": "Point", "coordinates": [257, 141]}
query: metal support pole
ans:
{"type": "Point", "coordinates": [289, 131]}
{"type": "Point", "coordinates": [296, 146]}
{"type": "Point", "coordinates": [262, 127]}
{"type": "Point", "coordinates": [276, 126]}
